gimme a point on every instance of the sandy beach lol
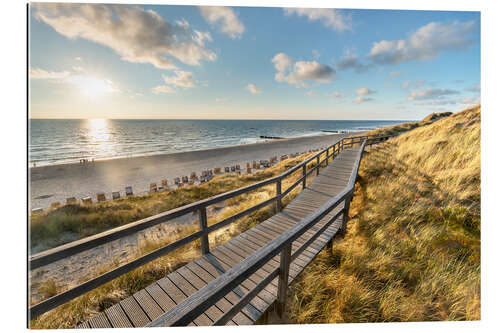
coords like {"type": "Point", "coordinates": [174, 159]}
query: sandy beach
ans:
{"type": "Point", "coordinates": [57, 182]}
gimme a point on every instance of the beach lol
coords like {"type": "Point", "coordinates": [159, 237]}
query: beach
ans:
{"type": "Point", "coordinates": [55, 183]}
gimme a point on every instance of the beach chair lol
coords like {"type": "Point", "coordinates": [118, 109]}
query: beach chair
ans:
{"type": "Point", "coordinates": [193, 175]}
{"type": "Point", "coordinates": [238, 167]}
{"type": "Point", "coordinates": [87, 200]}
{"type": "Point", "coordinates": [177, 181]}
{"type": "Point", "coordinates": [217, 170]}
{"type": "Point", "coordinates": [203, 173]}
{"type": "Point", "coordinates": [101, 197]}
{"type": "Point", "coordinates": [54, 205]}
{"type": "Point", "coordinates": [210, 173]}
{"type": "Point", "coordinates": [71, 201]}
{"type": "Point", "coordinates": [254, 164]}
{"type": "Point", "coordinates": [153, 187]}
{"type": "Point", "coordinates": [249, 170]}
{"type": "Point", "coordinates": [37, 210]}
{"type": "Point", "coordinates": [128, 191]}
{"type": "Point", "coordinates": [248, 165]}
{"type": "Point", "coordinates": [226, 169]}
{"type": "Point", "coordinates": [233, 168]}
{"type": "Point", "coordinates": [115, 195]}
{"type": "Point", "coordinates": [191, 182]}
{"type": "Point", "coordinates": [185, 179]}
{"type": "Point", "coordinates": [257, 166]}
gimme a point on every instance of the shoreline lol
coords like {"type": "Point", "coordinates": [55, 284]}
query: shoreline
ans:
{"type": "Point", "coordinates": [56, 182]}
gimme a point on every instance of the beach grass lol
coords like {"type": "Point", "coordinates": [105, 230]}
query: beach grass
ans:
{"type": "Point", "coordinates": [87, 220]}
{"type": "Point", "coordinates": [412, 248]}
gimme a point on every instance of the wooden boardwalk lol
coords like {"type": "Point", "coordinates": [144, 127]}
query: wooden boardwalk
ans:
{"type": "Point", "coordinates": [158, 298]}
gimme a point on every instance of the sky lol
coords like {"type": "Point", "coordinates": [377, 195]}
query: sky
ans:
{"type": "Point", "coordinates": [190, 62]}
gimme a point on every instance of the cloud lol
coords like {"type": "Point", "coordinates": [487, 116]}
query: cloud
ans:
{"type": "Point", "coordinates": [221, 99]}
{"type": "Point", "coordinates": [365, 91]}
{"type": "Point", "coordinates": [476, 88]}
{"type": "Point", "coordinates": [180, 79]}
{"type": "Point", "coordinates": [396, 74]}
{"type": "Point", "coordinates": [42, 74]}
{"type": "Point", "coordinates": [225, 18]}
{"type": "Point", "coordinates": [135, 34]}
{"type": "Point", "coordinates": [335, 94]}
{"type": "Point", "coordinates": [416, 84]}
{"type": "Point", "coordinates": [163, 90]}
{"type": "Point", "coordinates": [316, 54]}
{"type": "Point", "coordinates": [430, 93]}
{"type": "Point", "coordinates": [312, 93]}
{"type": "Point", "coordinates": [330, 18]}
{"type": "Point", "coordinates": [300, 71]}
{"type": "Point", "coordinates": [361, 99]}
{"type": "Point", "coordinates": [253, 89]}
{"type": "Point", "coordinates": [425, 44]}
{"type": "Point", "coordinates": [351, 61]}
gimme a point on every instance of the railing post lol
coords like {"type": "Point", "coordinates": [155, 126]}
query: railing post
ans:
{"type": "Point", "coordinates": [345, 216]}
{"type": "Point", "coordinates": [317, 166]}
{"type": "Point", "coordinates": [278, 195]}
{"type": "Point", "coordinates": [327, 152]}
{"type": "Point", "coordinates": [205, 247]}
{"type": "Point", "coordinates": [304, 173]}
{"type": "Point", "coordinates": [283, 279]}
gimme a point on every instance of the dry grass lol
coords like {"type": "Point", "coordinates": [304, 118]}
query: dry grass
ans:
{"type": "Point", "coordinates": [82, 308]}
{"type": "Point", "coordinates": [412, 250]}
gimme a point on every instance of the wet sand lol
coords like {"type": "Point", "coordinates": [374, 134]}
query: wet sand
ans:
{"type": "Point", "coordinates": [57, 182]}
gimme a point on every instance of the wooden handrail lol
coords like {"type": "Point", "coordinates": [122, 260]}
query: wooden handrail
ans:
{"type": "Point", "coordinates": [49, 256]}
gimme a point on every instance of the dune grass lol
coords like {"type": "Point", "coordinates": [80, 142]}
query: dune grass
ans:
{"type": "Point", "coordinates": [412, 248]}
{"type": "Point", "coordinates": [100, 217]}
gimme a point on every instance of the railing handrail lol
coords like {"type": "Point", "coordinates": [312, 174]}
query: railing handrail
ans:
{"type": "Point", "coordinates": [193, 306]}
{"type": "Point", "coordinates": [66, 250]}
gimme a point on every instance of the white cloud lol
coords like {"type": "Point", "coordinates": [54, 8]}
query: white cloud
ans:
{"type": "Point", "coordinates": [430, 93]}
{"type": "Point", "coordinates": [476, 88]}
{"type": "Point", "coordinates": [351, 61]}
{"type": "Point", "coordinates": [42, 74]}
{"type": "Point", "coordinates": [225, 18]}
{"type": "Point", "coordinates": [312, 93]}
{"type": "Point", "coordinates": [364, 91]}
{"type": "Point", "coordinates": [331, 18]}
{"type": "Point", "coordinates": [163, 90]}
{"type": "Point", "coordinates": [416, 84]}
{"type": "Point", "coordinates": [253, 89]}
{"type": "Point", "coordinates": [301, 71]}
{"type": "Point", "coordinates": [135, 34]}
{"type": "Point", "coordinates": [78, 69]}
{"type": "Point", "coordinates": [316, 54]}
{"type": "Point", "coordinates": [335, 94]}
{"type": "Point", "coordinates": [396, 74]}
{"type": "Point", "coordinates": [361, 99]}
{"type": "Point", "coordinates": [180, 79]}
{"type": "Point", "coordinates": [425, 44]}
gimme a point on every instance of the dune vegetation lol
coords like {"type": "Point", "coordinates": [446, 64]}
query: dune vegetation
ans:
{"type": "Point", "coordinates": [412, 248]}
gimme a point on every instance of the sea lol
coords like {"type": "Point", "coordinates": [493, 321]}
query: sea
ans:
{"type": "Point", "coordinates": [60, 141]}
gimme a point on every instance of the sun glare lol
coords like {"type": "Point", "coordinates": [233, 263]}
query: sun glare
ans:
{"type": "Point", "coordinates": [92, 87]}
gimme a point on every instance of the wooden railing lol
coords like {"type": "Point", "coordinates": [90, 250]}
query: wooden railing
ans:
{"type": "Point", "coordinates": [49, 256]}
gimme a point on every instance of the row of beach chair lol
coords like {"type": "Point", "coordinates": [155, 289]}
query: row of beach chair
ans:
{"type": "Point", "coordinates": [205, 176]}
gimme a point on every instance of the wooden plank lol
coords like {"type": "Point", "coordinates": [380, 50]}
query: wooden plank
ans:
{"type": "Point", "coordinates": [160, 297]}
{"type": "Point", "coordinates": [148, 304]}
{"type": "Point", "coordinates": [134, 312]}
{"type": "Point", "coordinates": [178, 296]}
{"type": "Point", "coordinates": [117, 317]}
{"type": "Point", "coordinates": [212, 312]}
{"type": "Point", "coordinates": [261, 302]}
{"type": "Point", "coordinates": [222, 304]}
{"type": "Point", "coordinates": [100, 321]}
{"type": "Point", "coordinates": [83, 325]}
{"type": "Point", "coordinates": [249, 310]}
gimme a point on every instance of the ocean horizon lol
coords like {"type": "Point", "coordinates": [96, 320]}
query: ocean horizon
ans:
{"type": "Point", "coordinates": [62, 141]}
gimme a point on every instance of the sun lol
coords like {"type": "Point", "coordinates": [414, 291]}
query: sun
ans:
{"type": "Point", "coordinates": [92, 87]}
